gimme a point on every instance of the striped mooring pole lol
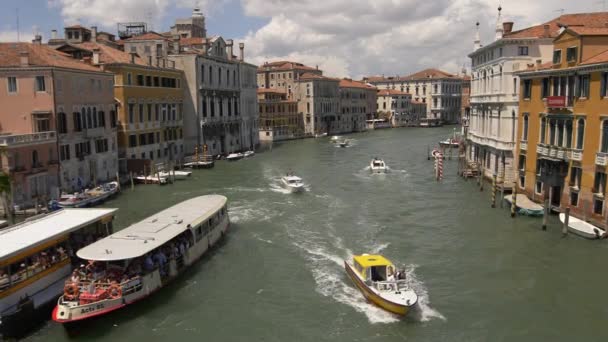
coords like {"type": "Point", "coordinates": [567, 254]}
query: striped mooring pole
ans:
{"type": "Point", "coordinates": [494, 191]}
{"type": "Point", "coordinates": [514, 201]}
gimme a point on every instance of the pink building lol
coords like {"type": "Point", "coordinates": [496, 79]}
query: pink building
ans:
{"type": "Point", "coordinates": [47, 91]}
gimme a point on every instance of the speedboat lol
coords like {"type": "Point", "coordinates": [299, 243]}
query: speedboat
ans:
{"type": "Point", "coordinates": [234, 156]}
{"type": "Point", "coordinates": [153, 179]}
{"type": "Point", "coordinates": [381, 283]}
{"type": "Point", "coordinates": [343, 143]}
{"type": "Point", "coordinates": [248, 154]}
{"type": "Point", "coordinates": [200, 164]}
{"type": "Point", "coordinates": [378, 166]}
{"type": "Point", "coordinates": [582, 228]}
{"type": "Point", "coordinates": [525, 206]}
{"type": "Point", "coordinates": [178, 175]}
{"type": "Point", "coordinates": [450, 143]}
{"type": "Point", "coordinates": [292, 183]}
{"type": "Point", "coordinates": [89, 197]}
{"type": "Point", "coordinates": [335, 138]}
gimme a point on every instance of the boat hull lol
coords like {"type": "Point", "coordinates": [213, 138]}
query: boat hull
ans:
{"type": "Point", "coordinates": [201, 165]}
{"type": "Point", "coordinates": [371, 296]}
{"type": "Point", "coordinates": [582, 228]}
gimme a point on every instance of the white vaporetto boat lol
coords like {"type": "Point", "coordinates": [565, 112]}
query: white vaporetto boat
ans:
{"type": "Point", "coordinates": [137, 261]}
{"type": "Point", "coordinates": [378, 166]}
{"type": "Point", "coordinates": [582, 228]}
{"type": "Point", "coordinates": [292, 183]}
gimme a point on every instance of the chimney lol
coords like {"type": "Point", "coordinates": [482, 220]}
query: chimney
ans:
{"type": "Point", "coordinates": [53, 34]}
{"type": "Point", "coordinates": [242, 54]}
{"type": "Point", "coordinates": [229, 48]}
{"type": "Point", "coordinates": [24, 58]}
{"type": "Point", "coordinates": [94, 34]}
{"type": "Point", "coordinates": [507, 27]}
{"type": "Point", "coordinates": [37, 40]}
{"type": "Point", "coordinates": [547, 31]}
{"type": "Point", "coordinates": [132, 57]}
{"type": "Point", "coordinates": [95, 56]}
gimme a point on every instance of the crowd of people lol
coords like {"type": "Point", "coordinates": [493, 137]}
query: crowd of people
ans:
{"type": "Point", "coordinates": [32, 265]}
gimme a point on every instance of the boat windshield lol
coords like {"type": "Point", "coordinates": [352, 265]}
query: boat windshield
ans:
{"type": "Point", "coordinates": [378, 163]}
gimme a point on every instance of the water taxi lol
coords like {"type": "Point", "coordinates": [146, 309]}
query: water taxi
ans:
{"type": "Point", "coordinates": [89, 197]}
{"type": "Point", "coordinates": [292, 183]}
{"type": "Point", "coordinates": [377, 165]}
{"type": "Point", "coordinates": [137, 261]}
{"type": "Point", "coordinates": [381, 283]}
{"type": "Point", "coordinates": [35, 258]}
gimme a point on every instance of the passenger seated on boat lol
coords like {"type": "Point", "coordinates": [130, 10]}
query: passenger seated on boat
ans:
{"type": "Point", "coordinates": [75, 277]}
{"type": "Point", "coordinates": [148, 263]}
{"type": "Point", "coordinates": [390, 273]}
{"type": "Point", "coordinates": [4, 280]}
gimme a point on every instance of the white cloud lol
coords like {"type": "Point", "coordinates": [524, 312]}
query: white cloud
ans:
{"type": "Point", "coordinates": [366, 37]}
{"type": "Point", "coordinates": [11, 36]}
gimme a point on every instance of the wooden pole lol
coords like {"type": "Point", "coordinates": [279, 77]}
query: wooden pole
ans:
{"type": "Point", "coordinates": [450, 154]}
{"type": "Point", "coordinates": [566, 221]}
{"type": "Point", "coordinates": [145, 175]}
{"type": "Point", "coordinates": [132, 183]}
{"type": "Point", "coordinates": [428, 152]}
{"type": "Point", "coordinates": [480, 178]}
{"type": "Point", "coordinates": [494, 190]}
{"type": "Point", "coordinates": [546, 214]}
{"type": "Point", "coordinates": [118, 182]}
{"type": "Point", "coordinates": [514, 202]}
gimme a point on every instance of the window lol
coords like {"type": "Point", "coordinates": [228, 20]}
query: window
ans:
{"type": "Point", "coordinates": [140, 80]}
{"type": "Point", "coordinates": [40, 86]}
{"type": "Point", "coordinates": [580, 134]}
{"type": "Point", "coordinates": [132, 140]}
{"type": "Point", "coordinates": [557, 56]}
{"type": "Point", "coordinates": [101, 145]}
{"type": "Point", "coordinates": [599, 186]}
{"type": "Point", "coordinates": [527, 89]}
{"type": "Point", "coordinates": [569, 133]}
{"type": "Point", "coordinates": [543, 127]}
{"type": "Point", "coordinates": [604, 86]}
{"type": "Point", "coordinates": [598, 206]}
{"type": "Point", "coordinates": [210, 74]}
{"type": "Point", "coordinates": [142, 139]}
{"type": "Point", "coordinates": [571, 54]}
{"type": "Point", "coordinates": [574, 198]}
{"type": "Point", "coordinates": [522, 163]}
{"type": "Point", "coordinates": [12, 84]}
{"type": "Point", "coordinates": [546, 87]}
{"type": "Point", "coordinates": [35, 160]}
{"type": "Point", "coordinates": [131, 113]}
{"type": "Point", "coordinates": [62, 123]}
{"type": "Point", "coordinates": [583, 86]}
{"type": "Point", "coordinates": [156, 112]}
{"type": "Point", "coordinates": [149, 112]}
{"type": "Point", "coordinates": [64, 152]}
{"type": "Point", "coordinates": [604, 146]}
{"type": "Point", "coordinates": [141, 113]}
{"type": "Point", "coordinates": [575, 176]}
{"type": "Point", "coordinates": [112, 118]}
{"type": "Point", "coordinates": [522, 50]}
{"type": "Point", "coordinates": [129, 80]}
{"type": "Point", "coordinates": [524, 135]}
{"type": "Point", "coordinates": [42, 122]}
{"type": "Point", "coordinates": [148, 81]}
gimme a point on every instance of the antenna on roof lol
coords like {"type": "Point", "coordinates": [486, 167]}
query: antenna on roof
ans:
{"type": "Point", "coordinates": [17, 17]}
{"type": "Point", "coordinates": [560, 10]}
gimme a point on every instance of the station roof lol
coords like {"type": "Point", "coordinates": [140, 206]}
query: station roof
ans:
{"type": "Point", "coordinates": [151, 233]}
{"type": "Point", "coordinates": [29, 234]}
{"type": "Point", "coordinates": [371, 260]}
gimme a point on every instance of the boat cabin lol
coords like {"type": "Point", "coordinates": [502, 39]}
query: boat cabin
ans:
{"type": "Point", "coordinates": [293, 179]}
{"type": "Point", "coordinates": [374, 268]}
{"type": "Point", "coordinates": [378, 163]}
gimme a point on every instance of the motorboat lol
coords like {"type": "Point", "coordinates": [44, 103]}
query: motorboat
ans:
{"type": "Point", "coordinates": [136, 262]}
{"type": "Point", "coordinates": [200, 164]}
{"type": "Point", "coordinates": [321, 135]}
{"type": "Point", "coordinates": [248, 154]}
{"type": "Point", "coordinates": [334, 139]}
{"type": "Point", "coordinates": [525, 206]}
{"type": "Point", "coordinates": [582, 228]}
{"type": "Point", "coordinates": [178, 175]}
{"type": "Point", "coordinates": [153, 179]}
{"type": "Point", "coordinates": [343, 143]}
{"type": "Point", "coordinates": [381, 283]}
{"type": "Point", "coordinates": [234, 156]}
{"type": "Point", "coordinates": [292, 183]}
{"type": "Point", "coordinates": [378, 166]}
{"type": "Point", "coordinates": [450, 143]}
{"type": "Point", "coordinates": [89, 197]}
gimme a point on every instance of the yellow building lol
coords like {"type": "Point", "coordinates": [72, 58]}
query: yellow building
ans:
{"type": "Point", "coordinates": [279, 118]}
{"type": "Point", "coordinates": [563, 124]}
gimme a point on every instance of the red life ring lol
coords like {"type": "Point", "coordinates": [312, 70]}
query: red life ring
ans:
{"type": "Point", "coordinates": [115, 291]}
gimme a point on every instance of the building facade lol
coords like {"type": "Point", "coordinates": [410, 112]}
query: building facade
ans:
{"type": "Point", "coordinates": [494, 94]}
{"type": "Point", "coordinates": [283, 75]}
{"type": "Point", "coordinates": [49, 91]}
{"type": "Point", "coordinates": [279, 118]}
{"type": "Point", "coordinates": [563, 129]}
{"type": "Point", "coordinates": [399, 109]}
{"type": "Point", "coordinates": [357, 103]}
{"type": "Point", "coordinates": [319, 102]}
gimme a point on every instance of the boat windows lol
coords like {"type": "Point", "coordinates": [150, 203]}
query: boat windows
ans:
{"type": "Point", "coordinates": [378, 273]}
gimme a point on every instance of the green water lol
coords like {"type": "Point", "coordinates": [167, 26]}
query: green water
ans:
{"type": "Point", "coordinates": [278, 276]}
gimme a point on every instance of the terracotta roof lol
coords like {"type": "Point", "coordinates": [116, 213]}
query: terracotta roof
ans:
{"type": "Point", "coordinates": [77, 27]}
{"type": "Point", "coordinates": [39, 55]}
{"type": "Point", "coordinates": [148, 36]}
{"type": "Point", "coordinates": [192, 41]}
{"type": "Point", "coordinates": [598, 19]}
{"type": "Point", "coordinates": [311, 76]}
{"type": "Point", "coordinates": [429, 73]}
{"type": "Point", "coordinates": [597, 59]}
{"type": "Point", "coordinates": [347, 83]}
{"type": "Point", "coordinates": [285, 65]}
{"type": "Point", "coordinates": [590, 31]}
{"type": "Point", "coordinates": [375, 79]}
{"type": "Point", "coordinates": [387, 92]}
{"type": "Point", "coordinates": [110, 55]}
{"type": "Point", "coordinates": [271, 91]}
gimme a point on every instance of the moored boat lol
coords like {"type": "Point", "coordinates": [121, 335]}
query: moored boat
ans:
{"type": "Point", "coordinates": [35, 258]}
{"type": "Point", "coordinates": [525, 206]}
{"type": "Point", "coordinates": [582, 228]}
{"type": "Point", "coordinates": [234, 156]}
{"type": "Point", "coordinates": [381, 283]}
{"type": "Point", "coordinates": [137, 261]}
{"type": "Point", "coordinates": [154, 179]}
{"type": "Point", "coordinates": [377, 165]}
{"type": "Point", "coordinates": [88, 197]}
{"type": "Point", "coordinates": [450, 143]}
{"type": "Point", "coordinates": [248, 154]}
{"type": "Point", "coordinates": [178, 174]}
{"type": "Point", "coordinates": [292, 183]}
{"type": "Point", "coordinates": [199, 164]}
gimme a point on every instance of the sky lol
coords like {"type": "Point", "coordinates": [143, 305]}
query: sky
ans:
{"type": "Point", "coordinates": [345, 38]}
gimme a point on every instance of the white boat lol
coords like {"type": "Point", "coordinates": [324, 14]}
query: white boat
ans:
{"type": "Point", "coordinates": [335, 138]}
{"type": "Point", "coordinates": [320, 135]}
{"type": "Point", "coordinates": [179, 175]}
{"type": "Point", "coordinates": [234, 156]}
{"type": "Point", "coordinates": [450, 143]}
{"type": "Point", "coordinates": [35, 259]}
{"type": "Point", "coordinates": [248, 154]}
{"type": "Point", "coordinates": [343, 143]}
{"type": "Point", "coordinates": [139, 260]}
{"type": "Point", "coordinates": [292, 183]}
{"type": "Point", "coordinates": [582, 228]}
{"type": "Point", "coordinates": [88, 197]}
{"type": "Point", "coordinates": [200, 164]}
{"type": "Point", "coordinates": [378, 166]}
{"type": "Point", "coordinates": [525, 206]}
{"type": "Point", "coordinates": [154, 179]}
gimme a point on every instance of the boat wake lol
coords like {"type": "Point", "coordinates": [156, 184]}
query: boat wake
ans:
{"type": "Point", "coordinates": [251, 212]}
{"type": "Point", "coordinates": [424, 311]}
{"type": "Point", "coordinates": [275, 186]}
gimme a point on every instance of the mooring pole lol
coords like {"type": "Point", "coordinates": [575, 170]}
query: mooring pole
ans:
{"type": "Point", "coordinates": [494, 191]}
{"type": "Point", "coordinates": [546, 214]}
{"type": "Point", "coordinates": [132, 183]}
{"type": "Point", "coordinates": [514, 202]}
{"type": "Point", "coordinates": [428, 152]}
{"type": "Point", "coordinates": [566, 221]}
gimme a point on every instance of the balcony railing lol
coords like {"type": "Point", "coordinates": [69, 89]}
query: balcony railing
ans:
{"type": "Point", "coordinates": [601, 159]}
{"type": "Point", "coordinates": [558, 152]}
{"type": "Point", "coordinates": [523, 145]}
{"type": "Point", "coordinates": [576, 155]}
{"type": "Point", "coordinates": [26, 139]}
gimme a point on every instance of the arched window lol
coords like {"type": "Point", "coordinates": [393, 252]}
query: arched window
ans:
{"type": "Point", "coordinates": [35, 161]}
{"type": "Point", "coordinates": [605, 136]}
{"type": "Point", "coordinates": [569, 133]}
{"type": "Point", "coordinates": [95, 121]}
{"type": "Point", "coordinates": [580, 134]}
{"type": "Point", "coordinates": [524, 135]}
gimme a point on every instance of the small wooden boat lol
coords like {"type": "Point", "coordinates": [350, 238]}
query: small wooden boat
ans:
{"type": "Point", "coordinates": [582, 228]}
{"type": "Point", "coordinates": [89, 198]}
{"type": "Point", "coordinates": [292, 183]}
{"type": "Point", "coordinates": [234, 156]}
{"type": "Point", "coordinates": [381, 283]}
{"type": "Point", "coordinates": [525, 206]}
{"type": "Point", "coordinates": [377, 165]}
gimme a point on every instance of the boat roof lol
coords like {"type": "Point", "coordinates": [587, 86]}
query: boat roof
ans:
{"type": "Point", "coordinates": [151, 233]}
{"type": "Point", "coordinates": [32, 233]}
{"type": "Point", "coordinates": [369, 260]}
{"type": "Point", "coordinates": [293, 178]}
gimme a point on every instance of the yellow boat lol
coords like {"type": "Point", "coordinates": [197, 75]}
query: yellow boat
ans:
{"type": "Point", "coordinates": [380, 282]}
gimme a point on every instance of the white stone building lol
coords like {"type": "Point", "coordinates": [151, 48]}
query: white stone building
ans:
{"type": "Point", "coordinates": [399, 108]}
{"type": "Point", "coordinates": [495, 94]}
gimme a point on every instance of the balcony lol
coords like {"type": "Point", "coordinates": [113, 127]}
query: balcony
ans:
{"type": "Point", "coordinates": [523, 145]}
{"type": "Point", "coordinates": [94, 132]}
{"type": "Point", "coordinates": [601, 159]}
{"type": "Point", "coordinates": [576, 155]}
{"type": "Point", "coordinates": [554, 152]}
{"type": "Point", "coordinates": [28, 139]}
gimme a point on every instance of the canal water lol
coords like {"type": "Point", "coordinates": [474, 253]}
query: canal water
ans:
{"type": "Point", "coordinates": [278, 276]}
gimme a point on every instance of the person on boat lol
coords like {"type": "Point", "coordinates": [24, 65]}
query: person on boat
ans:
{"type": "Point", "coordinates": [4, 280]}
{"type": "Point", "coordinates": [148, 263]}
{"type": "Point", "coordinates": [75, 277]}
